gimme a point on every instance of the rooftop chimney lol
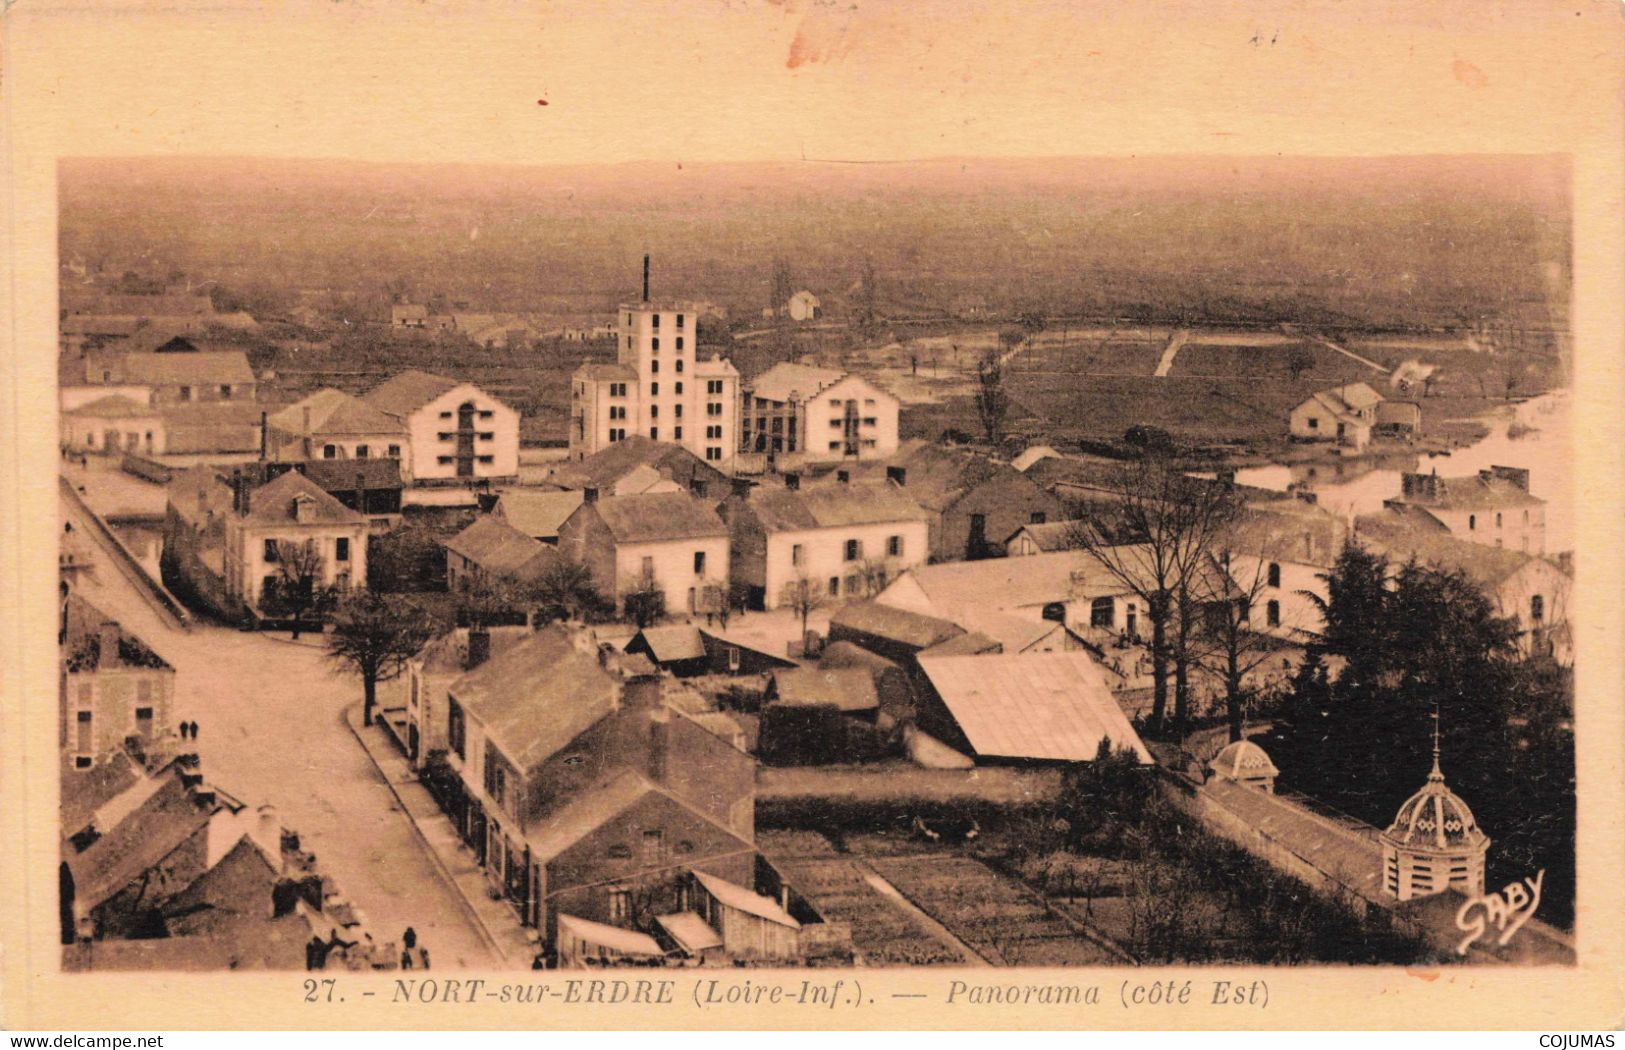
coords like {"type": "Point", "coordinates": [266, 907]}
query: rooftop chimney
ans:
{"type": "Point", "coordinates": [307, 421]}
{"type": "Point", "coordinates": [792, 481]}
{"type": "Point", "coordinates": [265, 438]}
{"type": "Point", "coordinates": [360, 492]}
{"type": "Point", "coordinates": [479, 647]}
{"type": "Point", "coordinates": [897, 474]}
{"type": "Point", "coordinates": [589, 495]}
{"type": "Point", "coordinates": [646, 278]}
{"type": "Point", "coordinates": [843, 475]}
{"type": "Point", "coordinates": [237, 494]}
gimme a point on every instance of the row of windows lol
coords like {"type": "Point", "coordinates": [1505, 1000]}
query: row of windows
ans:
{"type": "Point", "coordinates": [185, 392]}
{"type": "Point", "coordinates": [647, 568]}
{"type": "Point", "coordinates": [617, 390]}
{"type": "Point", "coordinates": [654, 412]}
{"type": "Point", "coordinates": [654, 321]}
{"type": "Point", "coordinates": [1472, 520]}
{"type": "Point", "coordinates": [483, 413]}
{"type": "Point", "coordinates": [836, 424]}
{"type": "Point", "coordinates": [617, 411]}
{"type": "Point", "coordinates": [654, 344]}
{"type": "Point", "coordinates": [654, 366]}
{"type": "Point", "coordinates": [451, 435]}
{"type": "Point", "coordinates": [341, 550]}
{"type": "Point", "coordinates": [713, 408]}
{"type": "Point", "coordinates": [713, 386]}
{"type": "Point", "coordinates": [834, 446]}
{"type": "Point", "coordinates": [448, 460]}
{"type": "Point", "coordinates": [715, 432]}
{"type": "Point", "coordinates": [852, 550]}
{"type": "Point", "coordinates": [713, 454]}
{"type": "Point", "coordinates": [361, 451]}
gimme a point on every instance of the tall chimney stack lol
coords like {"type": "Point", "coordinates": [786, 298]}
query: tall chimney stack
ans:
{"type": "Point", "coordinates": [646, 278]}
{"type": "Point", "coordinates": [265, 437]}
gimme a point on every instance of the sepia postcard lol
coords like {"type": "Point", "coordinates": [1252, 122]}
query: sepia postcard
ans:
{"type": "Point", "coordinates": [797, 514]}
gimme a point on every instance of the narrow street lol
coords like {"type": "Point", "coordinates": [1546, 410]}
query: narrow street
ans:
{"type": "Point", "coordinates": [271, 729]}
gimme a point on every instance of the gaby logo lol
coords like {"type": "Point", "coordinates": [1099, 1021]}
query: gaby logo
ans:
{"type": "Point", "coordinates": [1507, 911]}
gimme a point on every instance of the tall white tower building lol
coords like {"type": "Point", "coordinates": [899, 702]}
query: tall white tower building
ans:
{"type": "Point", "coordinates": [658, 387]}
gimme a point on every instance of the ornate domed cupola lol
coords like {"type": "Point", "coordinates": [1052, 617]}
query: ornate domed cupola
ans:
{"type": "Point", "coordinates": [1245, 762]}
{"type": "Point", "coordinates": [1434, 844]}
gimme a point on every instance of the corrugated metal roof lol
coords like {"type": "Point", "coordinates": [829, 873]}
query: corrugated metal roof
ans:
{"type": "Point", "coordinates": [689, 931]}
{"type": "Point", "coordinates": [744, 900]}
{"type": "Point", "coordinates": [1045, 706]}
{"type": "Point", "coordinates": [625, 942]}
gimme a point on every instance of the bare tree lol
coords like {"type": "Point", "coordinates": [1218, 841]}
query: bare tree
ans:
{"type": "Point", "coordinates": [1230, 646]}
{"type": "Point", "coordinates": [299, 567]}
{"type": "Point", "coordinates": [644, 601]}
{"type": "Point", "coordinates": [487, 600]}
{"type": "Point", "coordinates": [992, 401]}
{"type": "Point", "coordinates": [1152, 534]}
{"type": "Point", "coordinates": [1299, 361]}
{"type": "Point", "coordinates": [374, 635]}
{"type": "Point", "coordinates": [875, 574]}
{"type": "Point", "coordinates": [802, 596]}
{"type": "Point", "coordinates": [564, 591]}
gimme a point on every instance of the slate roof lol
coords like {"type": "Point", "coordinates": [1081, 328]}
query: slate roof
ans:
{"type": "Point", "coordinates": [849, 689]}
{"type": "Point", "coordinates": [1292, 532]}
{"type": "Point", "coordinates": [1048, 536]}
{"type": "Point", "coordinates": [334, 412]}
{"type": "Point", "coordinates": [954, 588]}
{"type": "Point", "coordinates": [604, 468]}
{"type": "Point", "coordinates": [204, 368]}
{"type": "Point", "coordinates": [182, 494]}
{"type": "Point", "coordinates": [339, 475]}
{"type": "Point", "coordinates": [651, 517]}
{"type": "Point", "coordinates": [148, 834]}
{"type": "Point", "coordinates": [536, 512]}
{"type": "Point", "coordinates": [114, 406]}
{"type": "Point", "coordinates": [84, 791]}
{"type": "Point", "coordinates": [273, 503]}
{"type": "Point", "coordinates": [449, 652]}
{"type": "Point", "coordinates": [673, 642]}
{"type": "Point", "coordinates": [1399, 541]}
{"type": "Point", "coordinates": [498, 547]}
{"type": "Point", "coordinates": [1476, 492]}
{"type": "Point", "coordinates": [884, 621]}
{"type": "Point", "coordinates": [1345, 401]}
{"type": "Point", "coordinates": [832, 506]}
{"type": "Point", "coordinates": [537, 696]}
{"type": "Point", "coordinates": [596, 805]}
{"type": "Point", "coordinates": [971, 643]}
{"type": "Point", "coordinates": [787, 377]}
{"type": "Point", "coordinates": [1043, 706]}
{"type": "Point", "coordinates": [403, 394]}
{"type": "Point", "coordinates": [81, 646]}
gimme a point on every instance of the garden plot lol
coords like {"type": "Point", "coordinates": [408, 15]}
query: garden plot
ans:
{"type": "Point", "coordinates": [882, 934]}
{"type": "Point", "coordinates": [995, 916]}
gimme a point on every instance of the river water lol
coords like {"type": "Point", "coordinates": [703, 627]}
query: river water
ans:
{"type": "Point", "coordinates": [1360, 486]}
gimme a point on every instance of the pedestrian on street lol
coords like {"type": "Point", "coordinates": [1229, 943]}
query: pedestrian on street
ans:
{"type": "Point", "coordinates": [410, 938]}
{"type": "Point", "coordinates": [183, 730]}
{"type": "Point", "coordinates": [406, 958]}
{"type": "Point", "coordinates": [423, 957]}
{"type": "Point", "coordinates": [193, 729]}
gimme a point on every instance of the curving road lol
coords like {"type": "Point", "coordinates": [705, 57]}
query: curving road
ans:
{"type": "Point", "coordinates": [271, 729]}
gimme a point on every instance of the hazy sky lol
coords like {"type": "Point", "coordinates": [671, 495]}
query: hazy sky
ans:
{"type": "Point", "coordinates": [741, 80]}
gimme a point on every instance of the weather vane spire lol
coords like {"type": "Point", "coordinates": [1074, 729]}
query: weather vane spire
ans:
{"type": "Point", "coordinates": [1437, 772]}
